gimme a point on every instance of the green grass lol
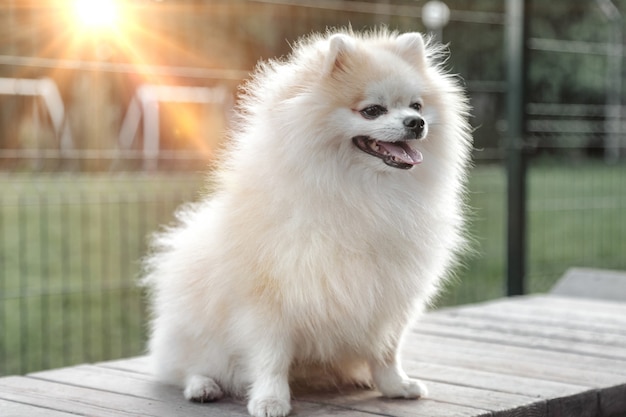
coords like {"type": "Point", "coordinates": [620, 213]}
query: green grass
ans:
{"type": "Point", "coordinates": [70, 247]}
{"type": "Point", "coordinates": [479, 276]}
{"type": "Point", "coordinates": [576, 217]}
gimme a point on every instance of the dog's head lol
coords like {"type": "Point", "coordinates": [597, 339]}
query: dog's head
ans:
{"type": "Point", "coordinates": [379, 91]}
{"type": "Point", "coordinates": [374, 100]}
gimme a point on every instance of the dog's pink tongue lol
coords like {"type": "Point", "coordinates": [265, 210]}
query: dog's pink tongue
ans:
{"type": "Point", "coordinates": [403, 152]}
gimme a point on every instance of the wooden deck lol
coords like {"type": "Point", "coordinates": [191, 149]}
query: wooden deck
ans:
{"type": "Point", "coordinates": [528, 356]}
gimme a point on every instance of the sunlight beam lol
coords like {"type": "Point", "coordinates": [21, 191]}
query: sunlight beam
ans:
{"type": "Point", "coordinates": [96, 14]}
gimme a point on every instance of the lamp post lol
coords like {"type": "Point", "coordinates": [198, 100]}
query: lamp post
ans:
{"type": "Point", "coordinates": [435, 15]}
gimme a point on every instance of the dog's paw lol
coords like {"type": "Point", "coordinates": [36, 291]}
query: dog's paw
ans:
{"type": "Point", "coordinates": [202, 389]}
{"type": "Point", "coordinates": [269, 407]}
{"type": "Point", "coordinates": [405, 388]}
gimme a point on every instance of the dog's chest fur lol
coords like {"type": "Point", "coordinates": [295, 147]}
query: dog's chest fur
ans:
{"type": "Point", "coordinates": [345, 278]}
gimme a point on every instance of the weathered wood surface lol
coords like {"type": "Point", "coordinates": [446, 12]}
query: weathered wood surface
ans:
{"type": "Point", "coordinates": [528, 356]}
{"type": "Point", "coordinates": [603, 284]}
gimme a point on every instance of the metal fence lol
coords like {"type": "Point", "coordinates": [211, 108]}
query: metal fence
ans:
{"type": "Point", "coordinates": [89, 170]}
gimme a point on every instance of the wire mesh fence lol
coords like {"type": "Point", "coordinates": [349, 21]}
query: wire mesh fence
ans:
{"type": "Point", "coordinates": [75, 214]}
{"type": "Point", "coordinates": [71, 246]}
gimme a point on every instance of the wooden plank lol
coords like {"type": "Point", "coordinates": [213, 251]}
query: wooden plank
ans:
{"type": "Point", "coordinates": [530, 356]}
{"type": "Point", "coordinates": [372, 402]}
{"type": "Point", "coordinates": [112, 380]}
{"type": "Point", "coordinates": [304, 408]}
{"type": "Point", "coordinates": [576, 362]}
{"type": "Point", "coordinates": [601, 309]}
{"type": "Point", "coordinates": [443, 399]}
{"type": "Point", "coordinates": [116, 380]}
{"type": "Point", "coordinates": [139, 364]}
{"type": "Point", "coordinates": [560, 399]}
{"type": "Point", "coordinates": [144, 386]}
{"type": "Point", "coordinates": [585, 404]}
{"type": "Point", "coordinates": [538, 316]}
{"type": "Point", "coordinates": [572, 311]}
{"type": "Point", "coordinates": [533, 323]}
{"type": "Point", "coordinates": [505, 344]}
{"type": "Point", "coordinates": [613, 402]}
{"type": "Point", "coordinates": [13, 409]}
{"type": "Point", "coordinates": [499, 403]}
{"type": "Point", "coordinates": [576, 401]}
{"type": "Point", "coordinates": [514, 384]}
{"type": "Point", "coordinates": [74, 399]}
{"type": "Point", "coordinates": [601, 284]}
{"type": "Point", "coordinates": [511, 360]}
{"type": "Point", "coordinates": [473, 355]}
{"type": "Point", "coordinates": [459, 395]}
{"type": "Point", "coordinates": [436, 372]}
{"type": "Point", "coordinates": [609, 350]}
{"type": "Point", "coordinates": [441, 392]}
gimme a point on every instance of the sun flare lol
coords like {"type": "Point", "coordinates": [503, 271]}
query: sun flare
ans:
{"type": "Point", "coordinates": [96, 14]}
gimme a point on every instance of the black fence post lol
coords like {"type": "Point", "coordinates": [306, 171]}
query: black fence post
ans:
{"type": "Point", "coordinates": [516, 34]}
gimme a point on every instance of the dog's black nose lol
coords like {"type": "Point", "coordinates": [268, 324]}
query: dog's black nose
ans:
{"type": "Point", "coordinates": [416, 124]}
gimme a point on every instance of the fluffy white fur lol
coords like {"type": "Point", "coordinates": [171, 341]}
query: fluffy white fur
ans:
{"type": "Point", "coordinates": [312, 256]}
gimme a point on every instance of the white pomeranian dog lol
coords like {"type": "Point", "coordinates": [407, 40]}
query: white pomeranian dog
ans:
{"type": "Point", "coordinates": [336, 215]}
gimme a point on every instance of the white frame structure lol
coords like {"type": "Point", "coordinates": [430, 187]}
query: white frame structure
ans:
{"type": "Point", "coordinates": [146, 101]}
{"type": "Point", "coordinates": [48, 91]}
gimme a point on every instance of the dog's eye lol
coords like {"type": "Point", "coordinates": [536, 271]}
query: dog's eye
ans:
{"type": "Point", "coordinates": [372, 112]}
{"type": "Point", "coordinates": [416, 106]}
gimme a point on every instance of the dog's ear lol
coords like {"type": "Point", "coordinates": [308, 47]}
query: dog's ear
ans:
{"type": "Point", "coordinates": [411, 47]}
{"type": "Point", "coordinates": [339, 48]}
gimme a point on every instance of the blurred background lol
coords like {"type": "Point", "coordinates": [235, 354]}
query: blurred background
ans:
{"type": "Point", "coordinates": [111, 112]}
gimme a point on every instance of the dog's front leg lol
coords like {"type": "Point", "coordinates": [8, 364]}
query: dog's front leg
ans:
{"type": "Point", "coordinates": [269, 394]}
{"type": "Point", "coordinates": [393, 382]}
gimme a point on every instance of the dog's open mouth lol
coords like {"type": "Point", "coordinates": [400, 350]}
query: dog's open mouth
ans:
{"type": "Point", "coordinates": [395, 154]}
